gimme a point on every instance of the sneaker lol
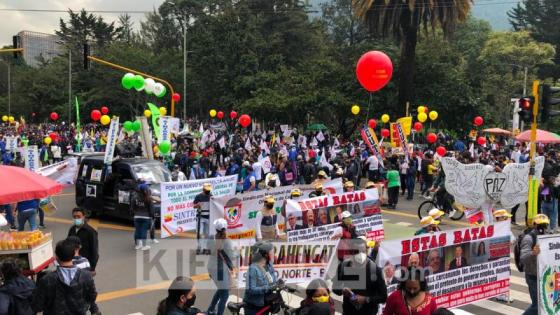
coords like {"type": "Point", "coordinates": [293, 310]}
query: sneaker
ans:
{"type": "Point", "coordinates": [154, 241]}
{"type": "Point", "coordinates": [147, 247]}
{"type": "Point", "coordinates": [504, 298]}
{"type": "Point", "coordinates": [452, 213]}
{"type": "Point", "coordinates": [42, 226]}
{"type": "Point", "coordinates": [137, 247]}
{"type": "Point", "coordinates": [13, 228]}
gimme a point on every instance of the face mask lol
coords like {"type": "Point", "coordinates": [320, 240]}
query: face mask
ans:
{"type": "Point", "coordinates": [321, 299]}
{"type": "Point", "coordinates": [78, 222]}
{"type": "Point", "coordinates": [541, 228]}
{"type": "Point", "coordinates": [269, 205]}
{"type": "Point", "coordinates": [411, 294]}
{"type": "Point", "coordinates": [318, 191]}
{"type": "Point", "coordinates": [190, 302]}
{"type": "Point", "coordinates": [207, 192]}
{"type": "Point", "coordinates": [360, 258]}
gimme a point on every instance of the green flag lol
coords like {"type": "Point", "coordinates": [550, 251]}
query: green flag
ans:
{"type": "Point", "coordinates": [155, 115]}
{"type": "Point", "coordinates": [78, 128]}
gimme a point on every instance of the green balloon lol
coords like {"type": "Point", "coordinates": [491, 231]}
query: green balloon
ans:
{"type": "Point", "coordinates": [136, 126]}
{"type": "Point", "coordinates": [138, 82]}
{"type": "Point", "coordinates": [127, 81]}
{"type": "Point", "coordinates": [127, 125]}
{"type": "Point", "coordinates": [164, 147]}
{"type": "Point", "coordinates": [162, 94]}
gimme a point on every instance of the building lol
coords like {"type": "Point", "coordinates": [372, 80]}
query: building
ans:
{"type": "Point", "coordinates": [38, 45]}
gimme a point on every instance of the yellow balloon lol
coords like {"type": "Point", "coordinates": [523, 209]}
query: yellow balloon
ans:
{"type": "Point", "coordinates": [421, 109]}
{"type": "Point", "coordinates": [385, 118]}
{"type": "Point", "coordinates": [147, 113]}
{"type": "Point", "coordinates": [163, 111]}
{"type": "Point", "coordinates": [355, 109]}
{"type": "Point", "coordinates": [422, 117]}
{"type": "Point", "coordinates": [47, 140]}
{"type": "Point", "coordinates": [433, 115]}
{"type": "Point", "coordinates": [4, 118]}
{"type": "Point", "coordinates": [105, 120]}
{"type": "Point", "coordinates": [11, 119]}
{"type": "Point", "coordinates": [213, 113]}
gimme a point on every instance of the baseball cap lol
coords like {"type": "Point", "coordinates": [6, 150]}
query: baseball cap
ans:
{"type": "Point", "coordinates": [295, 192]}
{"type": "Point", "coordinates": [436, 213]}
{"type": "Point", "coordinates": [346, 214]}
{"type": "Point", "coordinates": [541, 219]}
{"type": "Point", "coordinates": [349, 184]}
{"type": "Point", "coordinates": [220, 224]}
{"type": "Point", "coordinates": [269, 199]}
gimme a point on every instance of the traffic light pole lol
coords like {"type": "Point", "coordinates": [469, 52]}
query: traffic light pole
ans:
{"type": "Point", "coordinates": [119, 67]}
{"type": "Point", "coordinates": [533, 182]}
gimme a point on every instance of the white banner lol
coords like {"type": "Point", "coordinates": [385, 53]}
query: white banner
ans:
{"type": "Point", "coordinates": [177, 212]}
{"type": "Point", "coordinates": [63, 172]}
{"type": "Point", "coordinates": [32, 158]}
{"type": "Point", "coordinates": [319, 218]}
{"type": "Point", "coordinates": [164, 129]}
{"type": "Point", "coordinates": [548, 273]}
{"type": "Point", "coordinates": [266, 164]}
{"type": "Point", "coordinates": [174, 125]}
{"type": "Point", "coordinates": [11, 144]}
{"type": "Point", "coordinates": [111, 140]}
{"type": "Point", "coordinates": [462, 266]}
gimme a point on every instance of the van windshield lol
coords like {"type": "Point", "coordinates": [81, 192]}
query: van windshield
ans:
{"type": "Point", "coordinates": [152, 173]}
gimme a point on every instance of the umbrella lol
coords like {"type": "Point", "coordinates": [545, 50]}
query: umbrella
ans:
{"type": "Point", "coordinates": [20, 184]}
{"type": "Point", "coordinates": [542, 136]}
{"type": "Point", "coordinates": [316, 127]}
{"type": "Point", "coordinates": [497, 131]}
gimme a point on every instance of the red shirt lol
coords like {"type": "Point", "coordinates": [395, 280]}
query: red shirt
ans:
{"type": "Point", "coordinates": [396, 305]}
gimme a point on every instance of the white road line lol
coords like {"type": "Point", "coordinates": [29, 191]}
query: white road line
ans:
{"type": "Point", "coordinates": [518, 280]}
{"type": "Point", "coordinates": [499, 307]}
{"type": "Point", "coordinates": [136, 314]}
{"type": "Point", "coordinates": [404, 224]}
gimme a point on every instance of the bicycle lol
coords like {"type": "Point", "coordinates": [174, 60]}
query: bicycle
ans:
{"type": "Point", "coordinates": [275, 307]}
{"type": "Point", "coordinates": [443, 201]}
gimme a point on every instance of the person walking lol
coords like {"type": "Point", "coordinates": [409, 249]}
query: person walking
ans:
{"type": "Point", "coordinates": [411, 297]}
{"type": "Point", "coordinates": [220, 267]}
{"type": "Point", "coordinates": [393, 186]}
{"type": "Point", "coordinates": [27, 212]}
{"type": "Point", "coordinates": [142, 209]}
{"type": "Point", "coordinates": [261, 276]}
{"type": "Point", "coordinates": [89, 244]}
{"type": "Point", "coordinates": [180, 299]}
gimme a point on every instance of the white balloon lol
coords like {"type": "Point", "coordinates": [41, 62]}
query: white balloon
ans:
{"type": "Point", "coordinates": [158, 88]}
{"type": "Point", "coordinates": [129, 75]}
{"type": "Point", "coordinates": [149, 85]}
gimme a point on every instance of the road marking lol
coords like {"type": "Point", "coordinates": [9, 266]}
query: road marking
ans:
{"type": "Point", "coordinates": [408, 215]}
{"type": "Point", "coordinates": [404, 223]}
{"type": "Point", "coordinates": [164, 285]}
{"type": "Point", "coordinates": [136, 314]}
{"type": "Point", "coordinates": [498, 307]}
{"type": "Point", "coordinates": [65, 195]}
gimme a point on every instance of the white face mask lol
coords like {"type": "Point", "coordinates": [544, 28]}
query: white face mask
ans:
{"type": "Point", "coordinates": [360, 258]}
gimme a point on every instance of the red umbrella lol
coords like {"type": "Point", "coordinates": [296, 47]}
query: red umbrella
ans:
{"type": "Point", "coordinates": [19, 184]}
{"type": "Point", "coordinates": [542, 136]}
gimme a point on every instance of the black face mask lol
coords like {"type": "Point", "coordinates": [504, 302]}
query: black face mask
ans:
{"type": "Point", "coordinates": [207, 192]}
{"type": "Point", "coordinates": [269, 205]}
{"type": "Point", "coordinates": [541, 228]}
{"type": "Point", "coordinates": [411, 295]}
{"type": "Point", "coordinates": [189, 303]}
{"type": "Point", "coordinates": [319, 191]}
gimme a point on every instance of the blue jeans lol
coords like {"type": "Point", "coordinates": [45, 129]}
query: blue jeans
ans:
{"type": "Point", "coordinates": [29, 215]}
{"type": "Point", "coordinates": [550, 208]}
{"type": "Point", "coordinates": [532, 283]}
{"type": "Point", "coordinates": [7, 210]}
{"type": "Point", "coordinates": [220, 298]}
{"type": "Point", "coordinates": [410, 183]}
{"type": "Point", "coordinates": [141, 227]}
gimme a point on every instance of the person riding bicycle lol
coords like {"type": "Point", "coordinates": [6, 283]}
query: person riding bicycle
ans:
{"type": "Point", "coordinates": [261, 277]}
{"type": "Point", "coordinates": [441, 194]}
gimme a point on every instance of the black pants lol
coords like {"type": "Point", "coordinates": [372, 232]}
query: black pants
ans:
{"type": "Point", "coordinates": [403, 183]}
{"type": "Point", "coordinates": [514, 211]}
{"type": "Point", "coordinates": [393, 193]}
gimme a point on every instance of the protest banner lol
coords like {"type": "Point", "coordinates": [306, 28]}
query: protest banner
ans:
{"type": "Point", "coordinates": [369, 137]}
{"type": "Point", "coordinates": [406, 123]}
{"type": "Point", "coordinates": [461, 266]}
{"type": "Point", "coordinates": [32, 158]}
{"type": "Point", "coordinates": [111, 141]}
{"type": "Point", "coordinates": [63, 172]}
{"type": "Point", "coordinates": [177, 212]}
{"type": "Point", "coordinates": [293, 262]}
{"type": "Point", "coordinates": [11, 144]}
{"type": "Point", "coordinates": [402, 139]}
{"type": "Point", "coordinates": [164, 129]}
{"type": "Point", "coordinates": [548, 273]}
{"type": "Point", "coordinates": [319, 218]}
{"type": "Point", "coordinates": [395, 139]}
{"type": "Point", "coordinates": [240, 211]}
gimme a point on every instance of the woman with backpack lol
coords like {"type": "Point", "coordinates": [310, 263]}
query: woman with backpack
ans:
{"type": "Point", "coordinates": [16, 292]}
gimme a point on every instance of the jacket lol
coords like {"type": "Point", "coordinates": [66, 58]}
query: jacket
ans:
{"type": "Point", "coordinates": [257, 284]}
{"type": "Point", "coordinates": [66, 291]}
{"type": "Point", "coordinates": [15, 296]}
{"type": "Point", "coordinates": [526, 255]}
{"type": "Point", "coordinates": [89, 241]}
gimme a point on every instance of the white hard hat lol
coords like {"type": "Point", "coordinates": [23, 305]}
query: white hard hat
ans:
{"type": "Point", "coordinates": [220, 224]}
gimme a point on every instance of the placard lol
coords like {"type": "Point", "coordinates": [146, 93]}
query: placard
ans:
{"type": "Point", "coordinates": [111, 140]}
{"type": "Point", "coordinates": [548, 273]}
{"type": "Point", "coordinates": [32, 158]}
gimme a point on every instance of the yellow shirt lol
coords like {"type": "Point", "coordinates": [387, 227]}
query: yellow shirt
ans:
{"type": "Point", "coordinates": [431, 169]}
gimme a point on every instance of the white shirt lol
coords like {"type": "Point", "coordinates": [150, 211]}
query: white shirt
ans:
{"type": "Point", "coordinates": [373, 163]}
{"type": "Point", "coordinates": [515, 155]}
{"type": "Point", "coordinates": [257, 168]}
{"type": "Point", "coordinates": [56, 151]}
{"type": "Point", "coordinates": [404, 167]}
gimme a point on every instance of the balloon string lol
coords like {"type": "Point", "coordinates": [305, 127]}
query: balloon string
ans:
{"type": "Point", "coordinates": [368, 106]}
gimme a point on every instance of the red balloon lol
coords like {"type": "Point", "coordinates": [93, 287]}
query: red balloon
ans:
{"type": "Point", "coordinates": [220, 115]}
{"type": "Point", "coordinates": [372, 123]}
{"type": "Point", "coordinates": [54, 116]}
{"type": "Point", "coordinates": [105, 110]}
{"type": "Point", "coordinates": [233, 114]}
{"type": "Point", "coordinates": [385, 133]}
{"type": "Point", "coordinates": [95, 115]}
{"type": "Point", "coordinates": [431, 137]}
{"type": "Point", "coordinates": [418, 126]}
{"type": "Point", "coordinates": [176, 97]}
{"type": "Point", "coordinates": [478, 121]}
{"type": "Point", "coordinates": [244, 120]}
{"type": "Point", "coordinates": [441, 151]}
{"type": "Point", "coordinates": [374, 70]}
{"type": "Point", "coordinates": [481, 140]}
{"type": "Point", "coordinates": [53, 136]}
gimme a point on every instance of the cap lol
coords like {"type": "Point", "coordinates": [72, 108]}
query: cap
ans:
{"type": "Point", "coordinates": [274, 177]}
{"type": "Point", "coordinates": [436, 213]}
{"type": "Point", "coordinates": [220, 224]}
{"type": "Point", "coordinates": [269, 199]}
{"type": "Point", "coordinates": [501, 213]}
{"type": "Point", "coordinates": [428, 221]}
{"type": "Point", "coordinates": [541, 219]}
{"type": "Point", "coordinates": [346, 214]}
{"type": "Point", "coordinates": [370, 185]}
{"type": "Point", "coordinates": [349, 184]}
{"type": "Point", "coordinates": [207, 186]}
{"type": "Point", "coordinates": [143, 187]}
{"type": "Point", "coordinates": [322, 174]}
{"type": "Point", "coordinates": [295, 192]}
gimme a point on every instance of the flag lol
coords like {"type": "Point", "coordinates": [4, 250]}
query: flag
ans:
{"type": "Point", "coordinates": [222, 142]}
{"type": "Point", "coordinates": [248, 146]}
{"type": "Point", "coordinates": [201, 129]}
{"type": "Point", "coordinates": [336, 143]}
{"type": "Point", "coordinates": [273, 139]}
{"type": "Point", "coordinates": [314, 142]}
{"type": "Point", "coordinates": [406, 123]}
{"type": "Point", "coordinates": [264, 147]}
{"type": "Point", "coordinates": [302, 140]}
{"type": "Point", "coordinates": [320, 137]}
{"type": "Point", "coordinates": [325, 163]}
{"type": "Point", "coordinates": [402, 138]}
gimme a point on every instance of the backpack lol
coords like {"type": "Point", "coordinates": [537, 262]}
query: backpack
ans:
{"type": "Point", "coordinates": [517, 247]}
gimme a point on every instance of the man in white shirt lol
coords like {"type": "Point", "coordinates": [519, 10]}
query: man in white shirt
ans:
{"type": "Point", "coordinates": [373, 168]}
{"type": "Point", "coordinates": [515, 155]}
{"type": "Point", "coordinates": [257, 168]}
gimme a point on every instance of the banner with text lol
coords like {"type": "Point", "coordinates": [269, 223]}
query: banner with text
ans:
{"type": "Point", "coordinates": [32, 158]}
{"type": "Point", "coordinates": [319, 218]}
{"type": "Point", "coordinates": [112, 136]}
{"type": "Point", "coordinates": [549, 274]}
{"type": "Point", "coordinates": [461, 266]}
{"type": "Point", "coordinates": [177, 212]}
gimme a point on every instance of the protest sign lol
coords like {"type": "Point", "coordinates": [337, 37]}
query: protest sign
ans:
{"type": "Point", "coordinates": [548, 273]}
{"type": "Point", "coordinates": [293, 262]}
{"type": "Point", "coordinates": [240, 211]}
{"type": "Point", "coordinates": [11, 144]}
{"type": "Point", "coordinates": [32, 158]}
{"type": "Point", "coordinates": [461, 266]}
{"type": "Point", "coordinates": [319, 218]}
{"type": "Point", "coordinates": [177, 212]}
{"type": "Point", "coordinates": [369, 137]}
{"type": "Point", "coordinates": [402, 138]}
{"type": "Point", "coordinates": [164, 129]}
{"type": "Point", "coordinates": [111, 140]}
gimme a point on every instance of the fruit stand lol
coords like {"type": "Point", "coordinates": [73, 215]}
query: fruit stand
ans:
{"type": "Point", "coordinates": [32, 251]}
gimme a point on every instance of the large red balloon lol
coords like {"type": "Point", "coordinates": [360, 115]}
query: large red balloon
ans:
{"type": "Point", "coordinates": [244, 120]}
{"type": "Point", "coordinates": [53, 136]}
{"type": "Point", "coordinates": [104, 110]}
{"type": "Point", "coordinates": [372, 123]}
{"type": "Point", "coordinates": [478, 121]}
{"type": "Point", "coordinates": [233, 114]}
{"type": "Point", "coordinates": [220, 115]}
{"type": "Point", "coordinates": [374, 70]}
{"type": "Point", "coordinates": [431, 137]}
{"type": "Point", "coordinates": [54, 116]}
{"type": "Point", "coordinates": [176, 97]}
{"type": "Point", "coordinates": [441, 151]}
{"type": "Point", "coordinates": [385, 133]}
{"type": "Point", "coordinates": [418, 126]}
{"type": "Point", "coordinates": [481, 141]}
{"type": "Point", "coordinates": [95, 115]}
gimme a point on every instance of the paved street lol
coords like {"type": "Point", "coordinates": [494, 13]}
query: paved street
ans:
{"type": "Point", "coordinates": [116, 272]}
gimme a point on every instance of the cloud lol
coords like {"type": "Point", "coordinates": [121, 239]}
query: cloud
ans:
{"type": "Point", "coordinates": [12, 22]}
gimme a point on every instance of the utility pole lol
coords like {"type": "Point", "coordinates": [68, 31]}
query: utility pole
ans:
{"type": "Point", "coordinates": [69, 86]}
{"type": "Point", "coordinates": [525, 81]}
{"type": "Point", "coordinates": [185, 73]}
{"type": "Point", "coordinates": [9, 90]}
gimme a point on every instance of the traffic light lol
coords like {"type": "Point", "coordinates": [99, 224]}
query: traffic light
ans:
{"type": "Point", "coordinates": [86, 54]}
{"type": "Point", "coordinates": [548, 100]}
{"type": "Point", "coordinates": [526, 104]}
{"type": "Point", "coordinates": [15, 40]}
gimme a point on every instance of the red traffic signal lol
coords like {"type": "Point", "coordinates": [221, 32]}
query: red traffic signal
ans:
{"type": "Point", "coordinates": [526, 108]}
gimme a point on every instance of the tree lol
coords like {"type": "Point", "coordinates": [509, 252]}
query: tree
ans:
{"type": "Point", "coordinates": [402, 20]}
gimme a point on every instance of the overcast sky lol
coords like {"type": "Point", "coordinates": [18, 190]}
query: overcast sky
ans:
{"type": "Point", "coordinates": [47, 22]}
